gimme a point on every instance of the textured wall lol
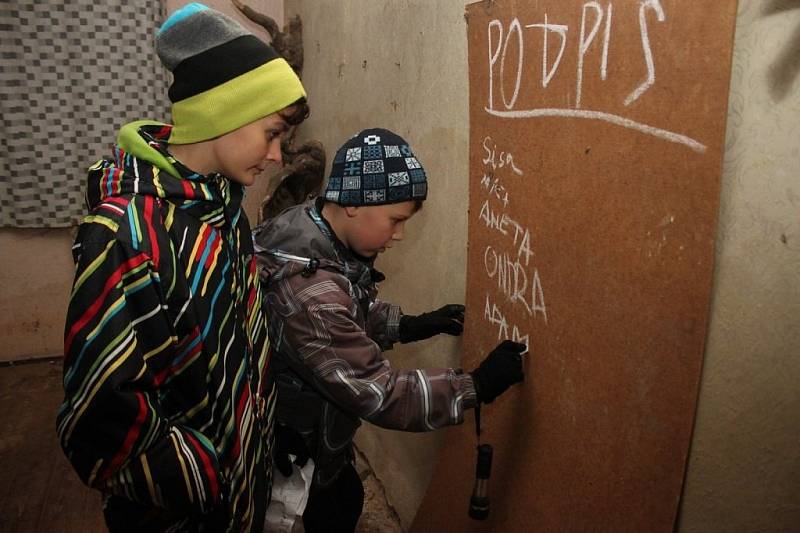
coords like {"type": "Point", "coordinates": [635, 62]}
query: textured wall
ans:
{"type": "Point", "coordinates": [744, 467]}
{"type": "Point", "coordinates": [402, 65]}
{"type": "Point", "coordinates": [35, 280]}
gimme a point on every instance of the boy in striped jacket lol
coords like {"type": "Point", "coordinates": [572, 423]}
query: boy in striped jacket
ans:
{"type": "Point", "coordinates": [169, 397]}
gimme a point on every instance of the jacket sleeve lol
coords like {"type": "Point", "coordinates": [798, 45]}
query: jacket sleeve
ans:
{"type": "Point", "coordinates": [383, 323]}
{"type": "Point", "coordinates": [120, 349]}
{"type": "Point", "coordinates": [319, 331]}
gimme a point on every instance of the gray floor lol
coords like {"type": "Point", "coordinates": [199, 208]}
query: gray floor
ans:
{"type": "Point", "coordinates": [39, 491]}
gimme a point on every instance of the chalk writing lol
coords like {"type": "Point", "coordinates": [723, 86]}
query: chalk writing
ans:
{"type": "Point", "coordinates": [585, 42]}
{"type": "Point", "coordinates": [495, 316]}
{"type": "Point", "coordinates": [648, 54]}
{"type": "Point", "coordinates": [514, 282]}
{"type": "Point", "coordinates": [495, 188]}
{"type": "Point", "coordinates": [504, 224]}
{"type": "Point", "coordinates": [497, 159]}
{"type": "Point", "coordinates": [515, 279]}
{"type": "Point", "coordinates": [561, 30]}
{"type": "Point", "coordinates": [592, 16]}
{"type": "Point", "coordinates": [606, 117]}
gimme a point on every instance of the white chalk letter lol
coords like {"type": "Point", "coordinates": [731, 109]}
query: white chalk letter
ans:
{"type": "Point", "coordinates": [655, 5]}
{"type": "Point", "coordinates": [585, 42]}
{"type": "Point", "coordinates": [561, 30]}
{"type": "Point", "coordinates": [515, 27]}
{"type": "Point", "coordinates": [493, 55]}
{"type": "Point", "coordinates": [606, 39]}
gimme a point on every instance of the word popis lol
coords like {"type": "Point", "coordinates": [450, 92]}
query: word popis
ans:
{"type": "Point", "coordinates": [594, 20]}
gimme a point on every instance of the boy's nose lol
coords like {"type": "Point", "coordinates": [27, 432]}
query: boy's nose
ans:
{"type": "Point", "coordinates": [399, 231]}
{"type": "Point", "coordinates": [274, 152]}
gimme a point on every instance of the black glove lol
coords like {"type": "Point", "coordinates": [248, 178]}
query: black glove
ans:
{"type": "Point", "coordinates": [501, 369]}
{"type": "Point", "coordinates": [288, 441]}
{"type": "Point", "coordinates": [448, 319]}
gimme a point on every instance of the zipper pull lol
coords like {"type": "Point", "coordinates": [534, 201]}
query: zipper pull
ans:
{"type": "Point", "coordinates": [310, 268]}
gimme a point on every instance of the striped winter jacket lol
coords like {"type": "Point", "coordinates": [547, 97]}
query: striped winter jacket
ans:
{"type": "Point", "coordinates": [329, 331]}
{"type": "Point", "coordinates": [168, 398]}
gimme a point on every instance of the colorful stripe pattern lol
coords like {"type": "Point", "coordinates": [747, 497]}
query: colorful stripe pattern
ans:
{"type": "Point", "coordinates": [168, 398]}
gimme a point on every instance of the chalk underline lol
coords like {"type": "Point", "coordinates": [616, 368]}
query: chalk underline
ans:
{"type": "Point", "coordinates": [600, 115]}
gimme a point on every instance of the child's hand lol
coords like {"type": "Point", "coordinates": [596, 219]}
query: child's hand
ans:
{"type": "Point", "coordinates": [501, 369]}
{"type": "Point", "coordinates": [448, 319]}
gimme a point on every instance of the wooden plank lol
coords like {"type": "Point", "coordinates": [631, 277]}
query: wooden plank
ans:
{"type": "Point", "coordinates": [595, 163]}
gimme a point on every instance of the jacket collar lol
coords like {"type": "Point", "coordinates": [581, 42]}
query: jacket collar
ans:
{"type": "Point", "coordinates": [301, 240]}
{"type": "Point", "coordinates": [143, 165]}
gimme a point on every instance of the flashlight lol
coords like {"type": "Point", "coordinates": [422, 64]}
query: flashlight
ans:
{"type": "Point", "coordinates": [479, 502]}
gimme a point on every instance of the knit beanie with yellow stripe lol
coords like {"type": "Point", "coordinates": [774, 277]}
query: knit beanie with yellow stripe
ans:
{"type": "Point", "coordinates": [224, 77]}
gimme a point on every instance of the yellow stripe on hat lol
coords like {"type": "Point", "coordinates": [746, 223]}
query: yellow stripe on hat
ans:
{"type": "Point", "coordinates": [237, 102]}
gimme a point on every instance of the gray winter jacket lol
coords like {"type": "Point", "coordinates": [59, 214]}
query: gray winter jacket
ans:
{"type": "Point", "coordinates": [328, 330]}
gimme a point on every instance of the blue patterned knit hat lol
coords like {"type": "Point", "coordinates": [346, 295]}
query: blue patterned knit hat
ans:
{"type": "Point", "coordinates": [375, 167]}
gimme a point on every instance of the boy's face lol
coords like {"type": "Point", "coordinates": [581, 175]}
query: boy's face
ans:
{"type": "Point", "coordinates": [244, 153]}
{"type": "Point", "coordinates": [374, 229]}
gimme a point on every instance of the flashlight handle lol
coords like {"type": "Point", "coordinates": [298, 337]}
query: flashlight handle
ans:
{"type": "Point", "coordinates": [479, 502]}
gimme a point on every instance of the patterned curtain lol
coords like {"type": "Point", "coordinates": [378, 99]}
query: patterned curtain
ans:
{"type": "Point", "coordinates": [72, 73]}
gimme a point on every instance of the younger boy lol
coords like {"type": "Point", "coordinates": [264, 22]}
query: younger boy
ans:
{"type": "Point", "coordinates": [329, 330]}
{"type": "Point", "coordinates": [168, 389]}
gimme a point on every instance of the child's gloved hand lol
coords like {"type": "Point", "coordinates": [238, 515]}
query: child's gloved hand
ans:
{"type": "Point", "coordinates": [448, 319]}
{"type": "Point", "coordinates": [501, 369]}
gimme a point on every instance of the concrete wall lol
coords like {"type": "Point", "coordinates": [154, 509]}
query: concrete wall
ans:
{"type": "Point", "coordinates": [744, 468]}
{"type": "Point", "coordinates": [35, 281]}
{"type": "Point", "coordinates": [402, 65]}
{"type": "Point", "coordinates": [36, 267]}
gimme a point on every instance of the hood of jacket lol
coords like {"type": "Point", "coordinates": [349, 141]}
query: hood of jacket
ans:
{"type": "Point", "coordinates": [299, 240]}
{"type": "Point", "coordinates": [142, 164]}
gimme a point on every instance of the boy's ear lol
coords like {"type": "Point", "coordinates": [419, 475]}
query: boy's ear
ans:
{"type": "Point", "coordinates": [351, 210]}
